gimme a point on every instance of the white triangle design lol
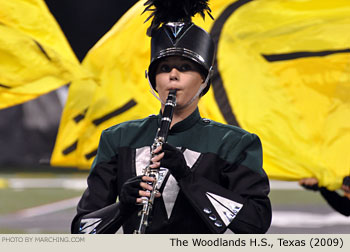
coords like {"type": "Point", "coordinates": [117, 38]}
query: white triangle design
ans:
{"type": "Point", "coordinates": [171, 189]}
{"type": "Point", "coordinates": [191, 157]}
{"type": "Point", "coordinates": [170, 192]}
{"type": "Point", "coordinates": [88, 225]}
{"type": "Point", "coordinates": [226, 208]}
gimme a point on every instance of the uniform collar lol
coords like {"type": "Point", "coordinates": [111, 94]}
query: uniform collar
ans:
{"type": "Point", "coordinates": [185, 124]}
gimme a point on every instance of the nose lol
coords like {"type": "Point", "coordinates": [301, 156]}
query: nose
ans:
{"type": "Point", "coordinates": [174, 74]}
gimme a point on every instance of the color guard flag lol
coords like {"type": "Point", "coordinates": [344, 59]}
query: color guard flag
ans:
{"type": "Point", "coordinates": [285, 69]}
{"type": "Point", "coordinates": [35, 55]}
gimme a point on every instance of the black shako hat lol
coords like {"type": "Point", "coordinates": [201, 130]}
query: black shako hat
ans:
{"type": "Point", "coordinates": [173, 34]}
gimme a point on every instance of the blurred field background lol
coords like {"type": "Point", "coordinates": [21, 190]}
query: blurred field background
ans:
{"type": "Point", "coordinates": [44, 202]}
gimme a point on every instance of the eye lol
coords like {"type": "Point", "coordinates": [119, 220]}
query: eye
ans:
{"type": "Point", "coordinates": [164, 68]}
{"type": "Point", "coordinates": [186, 67]}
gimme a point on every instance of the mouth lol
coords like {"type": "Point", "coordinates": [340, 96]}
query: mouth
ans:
{"type": "Point", "coordinates": [173, 89]}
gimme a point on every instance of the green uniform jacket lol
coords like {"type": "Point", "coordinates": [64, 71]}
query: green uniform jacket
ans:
{"type": "Point", "coordinates": [227, 188]}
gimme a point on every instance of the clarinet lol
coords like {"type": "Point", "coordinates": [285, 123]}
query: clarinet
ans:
{"type": "Point", "coordinates": [161, 137]}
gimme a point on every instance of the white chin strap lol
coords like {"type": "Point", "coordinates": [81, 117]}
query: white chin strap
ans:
{"type": "Point", "coordinates": [152, 89]}
{"type": "Point", "coordinates": [201, 88]}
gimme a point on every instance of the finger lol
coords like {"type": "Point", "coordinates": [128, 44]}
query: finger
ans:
{"type": "Point", "coordinates": [146, 186]}
{"type": "Point", "coordinates": [308, 181]}
{"type": "Point", "coordinates": [313, 181]}
{"type": "Point", "coordinates": [157, 157]}
{"type": "Point", "coordinates": [158, 149]}
{"type": "Point", "coordinates": [155, 165]}
{"type": "Point", "coordinates": [143, 193]}
{"type": "Point", "coordinates": [139, 200]}
{"type": "Point", "coordinates": [148, 179]}
{"type": "Point", "coordinates": [158, 194]}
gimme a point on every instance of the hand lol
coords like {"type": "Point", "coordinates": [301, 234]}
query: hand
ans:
{"type": "Point", "coordinates": [171, 158]}
{"type": "Point", "coordinates": [309, 184]}
{"type": "Point", "coordinates": [132, 191]}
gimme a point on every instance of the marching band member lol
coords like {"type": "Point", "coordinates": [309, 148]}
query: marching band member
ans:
{"type": "Point", "coordinates": [212, 175]}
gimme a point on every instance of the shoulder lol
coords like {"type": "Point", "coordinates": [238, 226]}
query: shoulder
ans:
{"type": "Point", "coordinates": [131, 133]}
{"type": "Point", "coordinates": [131, 125]}
{"type": "Point", "coordinates": [228, 141]}
{"type": "Point", "coordinates": [224, 130]}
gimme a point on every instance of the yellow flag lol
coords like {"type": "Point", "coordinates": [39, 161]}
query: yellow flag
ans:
{"type": "Point", "coordinates": [118, 62]}
{"type": "Point", "coordinates": [35, 55]}
{"type": "Point", "coordinates": [285, 66]}
{"type": "Point", "coordinates": [282, 72]}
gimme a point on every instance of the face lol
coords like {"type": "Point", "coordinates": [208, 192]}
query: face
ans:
{"type": "Point", "coordinates": [346, 188]}
{"type": "Point", "coordinates": [178, 73]}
